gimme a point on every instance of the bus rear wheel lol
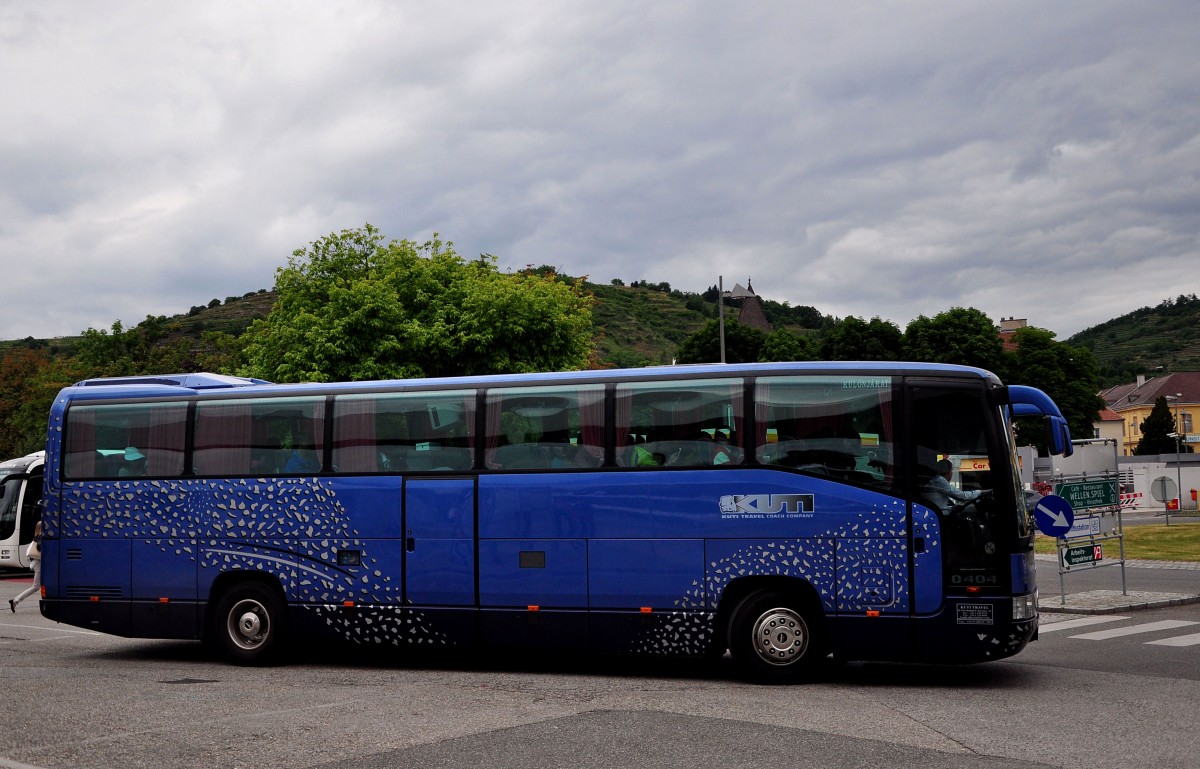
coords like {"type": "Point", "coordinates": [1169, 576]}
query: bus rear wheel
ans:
{"type": "Point", "coordinates": [776, 637]}
{"type": "Point", "coordinates": [249, 624]}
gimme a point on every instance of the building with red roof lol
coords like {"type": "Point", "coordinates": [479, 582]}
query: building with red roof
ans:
{"type": "Point", "coordinates": [1134, 402]}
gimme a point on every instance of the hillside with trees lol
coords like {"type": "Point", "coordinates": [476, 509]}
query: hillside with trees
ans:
{"type": "Point", "coordinates": [1161, 338]}
{"type": "Point", "coordinates": [508, 322]}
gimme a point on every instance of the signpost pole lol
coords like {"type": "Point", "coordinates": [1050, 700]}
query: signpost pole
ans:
{"type": "Point", "coordinates": [1120, 520]}
{"type": "Point", "coordinates": [1178, 470]}
{"type": "Point", "coordinates": [1081, 528]}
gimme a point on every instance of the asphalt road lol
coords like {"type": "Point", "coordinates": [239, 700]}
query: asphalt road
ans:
{"type": "Point", "coordinates": [77, 699]}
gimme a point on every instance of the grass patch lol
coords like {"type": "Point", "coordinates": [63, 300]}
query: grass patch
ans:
{"type": "Point", "coordinates": [1154, 542]}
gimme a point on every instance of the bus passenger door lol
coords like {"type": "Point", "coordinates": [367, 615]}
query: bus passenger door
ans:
{"type": "Point", "coordinates": [439, 542]}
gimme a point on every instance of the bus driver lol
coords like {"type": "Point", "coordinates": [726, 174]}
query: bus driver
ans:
{"type": "Point", "coordinates": [944, 494]}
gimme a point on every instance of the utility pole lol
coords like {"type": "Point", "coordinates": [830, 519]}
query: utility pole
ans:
{"type": "Point", "coordinates": [1178, 470]}
{"type": "Point", "coordinates": [721, 311]}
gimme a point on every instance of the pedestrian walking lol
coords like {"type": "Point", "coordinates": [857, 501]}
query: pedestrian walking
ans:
{"type": "Point", "coordinates": [35, 559]}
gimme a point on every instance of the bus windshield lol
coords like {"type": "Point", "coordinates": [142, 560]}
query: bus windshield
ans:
{"type": "Point", "coordinates": [10, 491]}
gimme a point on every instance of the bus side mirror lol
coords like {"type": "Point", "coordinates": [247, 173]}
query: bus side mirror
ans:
{"type": "Point", "coordinates": [1058, 436]}
{"type": "Point", "coordinates": [1029, 401]}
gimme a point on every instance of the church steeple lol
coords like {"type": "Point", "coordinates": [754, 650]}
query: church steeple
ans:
{"type": "Point", "coordinates": [752, 314]}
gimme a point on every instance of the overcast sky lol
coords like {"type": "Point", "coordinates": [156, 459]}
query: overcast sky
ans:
{"type": "Point", "coordinates": [894, 159]}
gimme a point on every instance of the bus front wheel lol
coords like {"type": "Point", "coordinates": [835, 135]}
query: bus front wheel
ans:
{"type": "Point", "coordinates": [248, 626]}
{"type": "Point", "coordinates": [775, 637]}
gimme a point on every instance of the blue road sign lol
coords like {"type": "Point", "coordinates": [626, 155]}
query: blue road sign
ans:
{"type": "Point", "coordinates": [1053, 516]}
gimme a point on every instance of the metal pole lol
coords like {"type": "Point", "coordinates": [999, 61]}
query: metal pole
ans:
{"type": "Point", "coordinates": [721, 311]}
{"type": "Point", "coordinates": [1178, 463]}
{"type": "Point", "coordinates": [1120, 520]}
{"type": "Point", "coordinates": [1178, 470]}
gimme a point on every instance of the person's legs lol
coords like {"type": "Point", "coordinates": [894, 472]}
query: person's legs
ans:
{"type": "Point", "coordinates": [35, 587]}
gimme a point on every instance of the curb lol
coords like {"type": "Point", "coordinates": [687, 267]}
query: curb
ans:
{"type": "Point", "coordinates": [1113, 602]}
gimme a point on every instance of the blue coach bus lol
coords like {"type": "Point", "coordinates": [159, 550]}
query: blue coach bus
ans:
{"type": "Point", "coordinates": [781, 512]}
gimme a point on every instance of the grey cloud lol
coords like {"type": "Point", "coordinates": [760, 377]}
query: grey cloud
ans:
{"type": "Point", "coordinates": [895, 159]}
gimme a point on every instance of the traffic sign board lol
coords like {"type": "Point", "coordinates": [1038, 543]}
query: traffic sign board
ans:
{"type": "Point", "coordinates": [1073, 556]}
{"type": "Point", "coordinates": [1053, 516]}
{"type": "Point", "coordinates": [1088, 526]}
{"type": "Point", "coordinates": [1084, 495]}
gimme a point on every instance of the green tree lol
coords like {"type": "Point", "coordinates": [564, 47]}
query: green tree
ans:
{"type": "Point", "coordinates": [1067, 374]}
{"type": "Point", "coordinates": [961, 335]}
{"type": "Point", "coordinates": [743, 344]}
{"type": "Point", "coordinates": [147, 348]}
{"type": "Point", "coordinates": [856, 339]}
{"type": "Point", "coordinates": [1156, 429]}
{"type": "Point", "coordinates": [352, 307]}
{"type": "Point", "coordinates": [779, 345]}
{"type": "Point", "coordinates": [29, 380]}
{"type": "Point", "coordinates": [104, 353]}
{"type": "Point", "coordinates": [218, 352]}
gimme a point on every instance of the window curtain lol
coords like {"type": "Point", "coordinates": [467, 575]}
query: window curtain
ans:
{"type": "Point", "coordinates": [354, 439]}
{"type": "Point", "coordinates": [222, 439]}
{"type": "Point", "coordinates": [81, 443]}
{"type": "Point", "coordinates": [164, 439]}
{"type": "Point", "coordinates": [737, 397]}
{"type": "Point", "coordinates": [624, 417]}
{"type": "Point", "coordinates": [889, 433]}
{"type": "Point", "coordinates": [492, 439]}
{"type": "Point", "coordinates": [469, 416]}
{"type": "Point", "coordinates": [591, 417]}
{"type": "Point", "coordinates": [314, 430]}
{"type": "Point", "coordinates": [623, 401]}
{"type": "Point", "coordinates": [762, 414]}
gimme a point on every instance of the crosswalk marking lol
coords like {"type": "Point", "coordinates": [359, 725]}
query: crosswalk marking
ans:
{"type": "Point", "coordinates": [1071, 624]}
{"type": "Point", "coordinates": [1148, 627]}
{"type": "Point", "coordinates": [1182, 640]}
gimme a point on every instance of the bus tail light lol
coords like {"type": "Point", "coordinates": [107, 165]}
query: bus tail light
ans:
{"type": "Point", "coordinates": [1025, 606]}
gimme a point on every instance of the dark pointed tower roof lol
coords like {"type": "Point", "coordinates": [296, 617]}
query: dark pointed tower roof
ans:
{"type": "Point", "coordinates": [752, 314]}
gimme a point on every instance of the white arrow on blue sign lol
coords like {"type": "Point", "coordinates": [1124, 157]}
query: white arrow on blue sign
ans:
{"type": "Point", "coordinates": [1053, 516]}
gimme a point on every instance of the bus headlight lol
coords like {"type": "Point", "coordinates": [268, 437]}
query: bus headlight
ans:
{"type": "Point", "coordinates": [1024, 606]}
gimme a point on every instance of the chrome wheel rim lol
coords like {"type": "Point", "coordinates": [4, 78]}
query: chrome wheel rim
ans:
{"type": "Point", "coordinates": [248, 624]}
{"type": "Point", "coordinates": [780, 636]}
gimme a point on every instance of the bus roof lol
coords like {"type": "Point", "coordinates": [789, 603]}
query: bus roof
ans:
{"type": "Point", "coordinates": [21, 464]}
{"type": "Point", "coordinates": [184, 385]}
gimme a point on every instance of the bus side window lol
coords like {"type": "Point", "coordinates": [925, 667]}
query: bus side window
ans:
{"type": "Point", "coordinates": [259, 436]}
{"type": "Point", "coordinates": [137, 438]}
{"type": "Point", "coordinates": [674, 424]}
{"type": "Point", "coordinates": [839, 426]}
{"type": "Point", "coordinates": [545, 428]}
{"type": "Point", "coordinates": [404, 432]}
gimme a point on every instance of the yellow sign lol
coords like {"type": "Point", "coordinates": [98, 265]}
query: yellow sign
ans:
{"type": "Point", "coordinates": [974, 465]}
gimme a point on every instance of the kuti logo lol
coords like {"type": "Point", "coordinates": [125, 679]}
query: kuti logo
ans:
{"type": "Point", "coordinates": [763, 505]}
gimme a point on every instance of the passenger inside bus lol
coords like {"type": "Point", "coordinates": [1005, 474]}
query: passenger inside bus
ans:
{"type": "Point", "coordinates": [304, 456]}
{"type": "Point", "coordinates": [134, 465]}
{"type": "Point", "coordinates": [666, 427]}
